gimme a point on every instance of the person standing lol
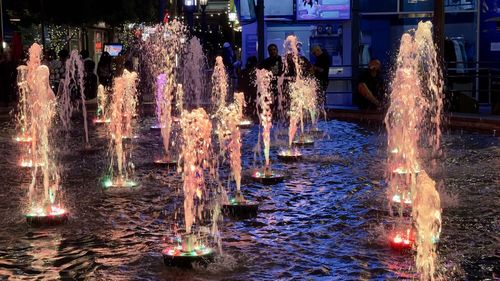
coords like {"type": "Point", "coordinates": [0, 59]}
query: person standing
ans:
{"type": "Point", "coordinates": [321, 68]}
{"type": "Point", "coordinates": [104, 70]}
{"type": "Point", "coordinates": [247, 86]}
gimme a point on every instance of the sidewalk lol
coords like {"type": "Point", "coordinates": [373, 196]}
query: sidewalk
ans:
{"type": "Point", "coordinates": [488, 124]}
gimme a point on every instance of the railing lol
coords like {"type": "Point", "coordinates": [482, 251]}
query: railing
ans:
{"type": "Point", "coordinates": [478, 80]}
{"type": "Point", "coordinates": [476, 83]}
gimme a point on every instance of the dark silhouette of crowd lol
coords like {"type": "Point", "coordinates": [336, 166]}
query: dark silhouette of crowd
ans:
{"type": "Point", "coordinates": [284, 69]}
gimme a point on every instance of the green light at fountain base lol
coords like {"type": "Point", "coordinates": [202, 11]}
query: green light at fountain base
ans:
{"type": "Point", "coordinates": [198, 251]}
{"type": "Point", "coordinates": [127, 183]}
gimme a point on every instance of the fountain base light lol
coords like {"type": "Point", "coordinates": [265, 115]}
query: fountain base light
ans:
{"type": "Point", "coordinates": [239, 207]}
{"type": "Point", "coordinates": [101, 121]}
{"type": "Point", "coordinates": [188, 253]}
{"type": "Point", "coordinates": [29, 164]}
{"type": "Point", "coordinates": [289, 155]}
{"type": "Point", "coordinates": [120, 182]}
{"type": "Point", "coordinates": [315, 132]}
{"type": "Point", "coordinates": [245, 124]}
{"type": "Point", "coordinates": [156, 127]}
{"type": "Point", "coordinates": [23, 139]}
{"type": "Point", "coordinates": [304, 141]}
{"type": "Point", "coordinates": [38, 217]}
{"type": "Point", "coordinates": [268, 177]}
{"type": "Point", "coordinates": [166, 162]}
{"type": "Point", "coordinates": [89, 149]}
{"type": "Point", "coordinates": [402, 240]}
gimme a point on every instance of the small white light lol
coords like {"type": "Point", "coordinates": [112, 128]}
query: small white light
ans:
{"type": "Point", "coordinates": [232, 16]}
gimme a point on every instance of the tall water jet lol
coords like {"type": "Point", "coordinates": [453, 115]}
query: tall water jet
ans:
{"type": "Point", "coordinates": [44, 203]}
{"type": "Point", "coordinates": [179, 98]}
{"type": "Point", "coordinates": [219, 85]}
{"type": "Point", "coordinates": [193, 77]}
{"type": "Point", "coordinates": [73, 85]}
{"type": "Point", "coordinates": [413, 118]}
{"type": "Point", "coordinates": [230, 141]}
{"type": "Point", "coordinates": [195, 159]}
{"type": "Point", "coordinates": [263, 83]}
{"type": "Point", "coordinates": [102, 106]}
{"type": "Point", "coordinates": [161, 57]}
{"type": "Point", "coordinates": [26, 86]}
{"type": "Point", "coordinates": [124, 90]}
{"type": "Point", "coordinates": [161, 54]}
{"type": "Point", "coordinates": [239, 101]}
{"type": "Point", "coordinates": [23, 108]}
{"type": "Point", "coordinates": [25, 116]}
{"type": "Point", "coordinates": [165, 97]}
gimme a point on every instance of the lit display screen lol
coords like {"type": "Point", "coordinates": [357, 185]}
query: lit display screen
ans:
{"type": "Point", "coordinates": [323, 9]}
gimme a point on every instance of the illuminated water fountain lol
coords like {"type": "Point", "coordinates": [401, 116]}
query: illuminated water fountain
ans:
{"type": "Point", "coordinates": [193, 77]}
{"type": "Point", "coordinates": [239, 100]}
{"type": "Point", "coordinates": [413, 119]}
{"type": "Point", "coordinates": [195, 159]}
{"type": "Point", "coordinates": [230, 142]}
{"type": "Point", "coordinates": [24, 117]}
{"type": "Point", "coordinates": [165, 97]}
{"type": "Point", "coordinates": [122, 107]}
{"type": "Point", "coordinates": [102, 106]}
{"type": "Point", "coordinates": [73, 85]}
{"type": "Point", "coordinates": [44, 198]}
{"type": "Point", "coordinates": [219, 85]}
{"type": "Point", "coordinates": [162, 51]}
{"type": "Point", "coordinates": [263, 80]}
{"type": "Point", "coordinates": [302, 92]}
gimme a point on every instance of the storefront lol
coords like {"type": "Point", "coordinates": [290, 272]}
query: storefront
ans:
{"type": "Point", "coordinates": [323, 23]}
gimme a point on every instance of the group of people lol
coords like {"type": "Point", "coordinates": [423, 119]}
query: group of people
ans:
{"type": "Point", "coordinates": [279, 67]}
{"type": "Point", "coordinates": [367, 96]}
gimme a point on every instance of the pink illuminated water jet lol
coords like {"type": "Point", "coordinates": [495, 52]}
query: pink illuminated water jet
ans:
{"type": "Point", "coordinates": [44, 198]}
{"type": "Point", "coordinates": [73, 82]}
{"type": "Point", "coordinates": [219, 85]}
{"type": "Point", "coordinates": [413, 118]}
{"type": "Point", "coordinates": [122, 107]}
{"type": "Point", "coordinates": [195, 159]}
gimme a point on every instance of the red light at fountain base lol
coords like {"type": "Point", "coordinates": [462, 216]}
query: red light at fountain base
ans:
{"type": "Point", "coordinates": [38, 217]}
{"type": "Point", "coordinates": [402, 240]}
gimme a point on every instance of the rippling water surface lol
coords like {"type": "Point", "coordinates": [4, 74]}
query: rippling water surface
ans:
{"type": "Point", "coordinates": [327, 221]}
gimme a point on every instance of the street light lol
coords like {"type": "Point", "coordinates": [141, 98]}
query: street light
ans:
{"type": "Point", "coordinates": [203, 5]}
